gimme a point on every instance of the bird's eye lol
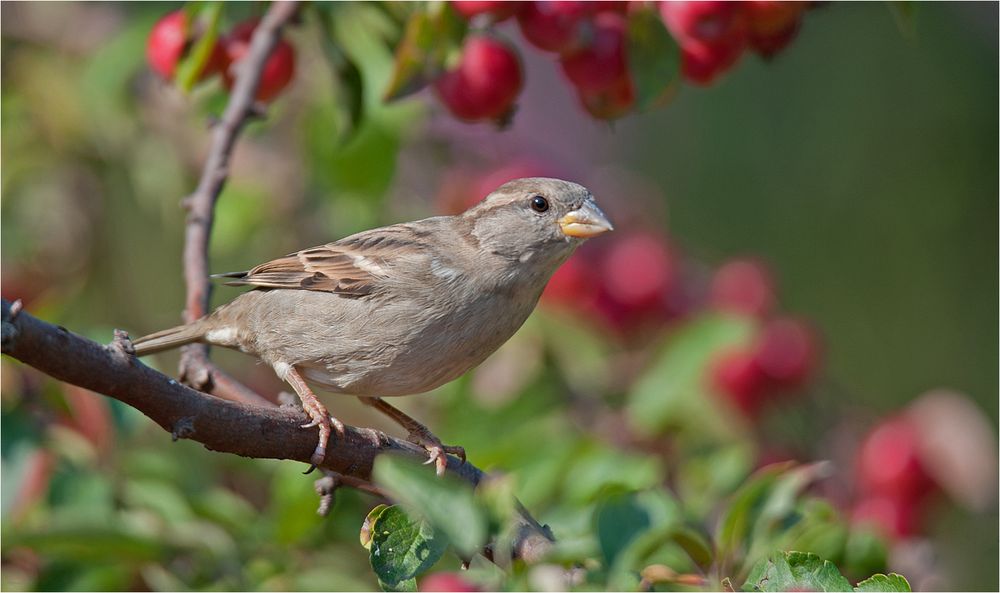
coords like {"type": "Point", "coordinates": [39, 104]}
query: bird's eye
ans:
{"type": "Point", "coordinates": [539, 204]}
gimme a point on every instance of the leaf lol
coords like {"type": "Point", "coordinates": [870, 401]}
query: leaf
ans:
{"type": "Point", "coordinates": [369, 524]}
{"type": "Point", "coordinates": [190, 68]}
{"type": "Point", "coordinates": [349, 86]}
{"type": "Point", "coordinates": [760, 508]}
{"type": "Point", "coordinates": [695, 545]}
{"type": "Point", "coordinates": [882, 582]}
{"type": "Point", "coordinates": [446, 502]}
{"type": "Point", "coordinates": [617, 521]}
{"type": "Point", "coordinates": [674, 391]}
{"type": "Point", "coordinates": [430, 37]}
{"type": "Point", "coordinates": [402, 548]}
{"type": "Point", "coordinates": [788, 571]}
{"type": "Point", "coordinates": [654, 58]}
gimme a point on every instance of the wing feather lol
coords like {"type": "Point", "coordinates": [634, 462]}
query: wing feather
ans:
{"type": "Point", "coordinates": [353, 266]}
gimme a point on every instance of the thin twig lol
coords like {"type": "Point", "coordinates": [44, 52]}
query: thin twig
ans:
{"type": "Point", "coordinates": [195, 368]}
{"type": "Point", "coordinates": [269, 432]}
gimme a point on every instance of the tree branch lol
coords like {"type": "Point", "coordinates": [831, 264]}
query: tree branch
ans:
{"type": "Point", "coordinates": [265, 432]}
{"type": "Point", "coordinates": [195, 367]}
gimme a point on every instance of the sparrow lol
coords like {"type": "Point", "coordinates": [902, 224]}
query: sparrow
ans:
{"type": "Point", "coordinates": [401, 309]}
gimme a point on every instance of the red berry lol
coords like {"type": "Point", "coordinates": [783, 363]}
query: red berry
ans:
{"type": "Point", "coordinates": [638, 270]}
{"type": "Point", "coordinates": [279, 69]}
{"type": "Point", "coordinates": [893, 517]}
{"type": "Point", "coordinates": [552, 26]}
{"type": "Point", "coordinates": [786, 352]}
{"type": "Point", "coordinates": [166, 42]}
{"type": "Point", "coordinates": [889, 461]}
{"type": "Point", "coordinates": [485, 83]}
{"type": "Point", "coordinates": [736, 376]}
{"type": "Point", "coordinates": [772, 25]}
{"type": "Point", "coordinates": [600, 64]}
{"type": "Point", "coordinates": [572, 284]}
{"type": "Point", "coordinates": [711, 21]}
{"type": "Point", "coordinates": [446, 581]}
{"type": "Point", "coordinates": [599, 6]}
{"type": "Point", "coordinates": [498, 9]}
{"type": "Point", "coordinates": [703, 63]}
{"type": "Point", "coordinates": [743, 286]}
{"type": "Point", "coordinates": [611, 103]}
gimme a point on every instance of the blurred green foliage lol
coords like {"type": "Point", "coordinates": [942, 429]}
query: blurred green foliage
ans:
{"type": "Point", "coordinates": [862, 164]}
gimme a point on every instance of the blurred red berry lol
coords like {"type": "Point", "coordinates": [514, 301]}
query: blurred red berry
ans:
{"type": "Point", "coordinates": [485, 83]}
{"type": "Point", "coordinates": [572, 284]}
{"type": "Point", "coordinates": [278, 70]}
{"type": "Point", "coordinates": [786, 352]}
{"type": "Point", "coordinates": [166, 43]}
{"type": "Point", "coordinates": [889, 461]}
{"type": "Point", "coordinates": [737, 377]}
{"type": "Point", "coordinates": [712, 21]}
{"type": "Point", "coordinates": [638, 270]}
{"type": "Point", "coordinates": [703, 63]}
{"type": "Point", "coordinates": [612, 103]}
{"type": "Point", "coordinates": [498, 9]}
{"type": "Point", "coordinates": [892, 516]}
{"type": "Point", "coordinates": [553, 26]}
{"type": "Point", "coordinates": [772, 25]}
{"type": "Point", "coordinates": [743, 286]}
{"type": "Point", "coordinates": [446, 581]}
{"type": "Point", "coordinates": [600, 64]}
{"type": "Point", "coordinates": [599, 6]}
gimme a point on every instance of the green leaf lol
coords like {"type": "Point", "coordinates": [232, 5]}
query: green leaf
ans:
{"type": "Point", "coordinates": [675, 390]}
{"type": "Point", "coordinates": [190, 68]}
{"type": "Point", "coordinates": [446, 502]}
{"type": "Point", "coordinates": [761, 508]}
{"type": "Point", "coordinates": [402, 548]}
{"type": "Point", "coordinates": [348, 89]}
{"type": "Point", "coordinates": [787, 571]}
{"type": "Point", "coordinates": [369, 524]}
{"type": "Point", "coordinates": [432, 35]}
{"type": "Point", "coordinates": [882, 582]}
{"type": "Point", "coordinates": [654, 59]}
{"type": "Point", "coordinates": [617, 521]}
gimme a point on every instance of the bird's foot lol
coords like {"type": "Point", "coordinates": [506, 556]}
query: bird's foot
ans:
{"type": "Point", "coordinates": [320, 417]}
{"type": "Point", "coordinates": [437, 452]}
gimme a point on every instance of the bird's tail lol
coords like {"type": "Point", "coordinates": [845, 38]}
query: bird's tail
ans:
{"type": "Point", "coordinates": [169, 338]}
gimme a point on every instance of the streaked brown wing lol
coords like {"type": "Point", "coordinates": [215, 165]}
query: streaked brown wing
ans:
{"type": "Point", "coordinates": [352, 266]}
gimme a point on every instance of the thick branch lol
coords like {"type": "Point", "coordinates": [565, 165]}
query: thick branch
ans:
{"type": "Point", "coordinates": [196, 369]}
{"type": "Point", "coordinates": [220, 425]}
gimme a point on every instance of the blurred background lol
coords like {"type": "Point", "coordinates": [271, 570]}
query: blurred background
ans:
{"type": "Point", "coordinates": [832, 212]}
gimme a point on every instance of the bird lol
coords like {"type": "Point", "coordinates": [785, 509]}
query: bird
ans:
{"type": "Point", "coordinates": [401, 309]}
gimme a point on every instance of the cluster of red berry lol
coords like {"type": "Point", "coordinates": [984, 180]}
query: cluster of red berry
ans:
{"type": "Point", "coordinates": [591, 40]}
{"type": "Point", "coordinates": [714, 34]}
{"type": "Point", "coordinates": [174, 35]}
{"type": "Point", "coordinates": [893, 482]}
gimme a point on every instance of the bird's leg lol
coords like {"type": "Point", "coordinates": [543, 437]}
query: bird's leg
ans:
{"type": "Point", "coordinates": [419, 434]}
{"type": "Point", "coordinates": [314, 408]}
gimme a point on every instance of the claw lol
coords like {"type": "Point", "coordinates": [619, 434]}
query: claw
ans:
{"type": "Point", "coordinates": [311, 424]}
{"type": "Point", "coordinates": [310, 470]}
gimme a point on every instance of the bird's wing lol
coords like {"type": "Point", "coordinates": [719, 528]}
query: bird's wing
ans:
{"type": "Point", "coordinates": [354, 266]}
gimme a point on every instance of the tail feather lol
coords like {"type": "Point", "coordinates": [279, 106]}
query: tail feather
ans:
{"type": "Point", "coordinates": [168, 338]}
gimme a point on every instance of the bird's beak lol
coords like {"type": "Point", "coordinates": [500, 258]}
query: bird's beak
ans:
{"type": "Point", "coordinates": [586, 221]}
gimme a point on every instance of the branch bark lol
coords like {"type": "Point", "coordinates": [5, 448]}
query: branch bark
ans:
{"type": "Point", "coordinates": [265, 432]}
{"type": "Point", "coordinates": [195, 368]}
